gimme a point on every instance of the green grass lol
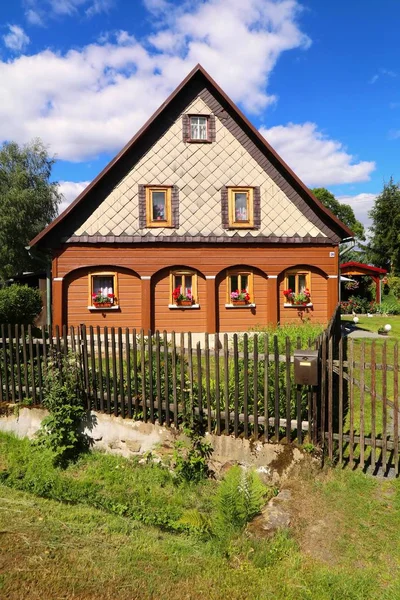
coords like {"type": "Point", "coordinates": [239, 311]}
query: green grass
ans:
{"type": "Point", "coordinates": [343, 545]}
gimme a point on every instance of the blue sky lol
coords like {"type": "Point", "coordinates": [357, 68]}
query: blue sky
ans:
{"type": "Point", "coordinates": [320, 79]}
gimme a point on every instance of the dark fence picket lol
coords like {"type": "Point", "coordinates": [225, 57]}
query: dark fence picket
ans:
{"type": "Point", "coordinates": [128, 373]}
{"type": "Point", "coordinates": [226, 383]}
{"type": "Point", "coordinates": [121, 373]}
{"type": "Point", "coordinates": [100, 383]}
{"type": "Point", "coordinates": [32, 363]}
{"type": "Point", "coordinates": [166, 379]}
{"type": "Point", "coordinates": [18, 365]}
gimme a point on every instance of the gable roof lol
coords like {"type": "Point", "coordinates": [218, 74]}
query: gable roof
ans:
{"type": "Point", "coordinates": [52, 234]}
{"type": "Point", "coordinates": [362, 266]}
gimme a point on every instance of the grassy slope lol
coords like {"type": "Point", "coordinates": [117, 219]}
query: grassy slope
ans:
{"type": "Point", "coordinates": [344, 545]}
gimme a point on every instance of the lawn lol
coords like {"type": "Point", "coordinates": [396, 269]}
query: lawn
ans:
{"type": "Point", "coordinates": [343, 545]}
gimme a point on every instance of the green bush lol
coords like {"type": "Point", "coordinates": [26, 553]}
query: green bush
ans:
{"type": "Point", "coordinates": [19, 305]}
{"type": "Point", "coordinates": [394, 285]}
{"type": "Point", "coordinates": [239, 498]}
{"type": "Point", "coordinates": [62, 431]}
{"type": "Point", "coordinates": [191, 457]}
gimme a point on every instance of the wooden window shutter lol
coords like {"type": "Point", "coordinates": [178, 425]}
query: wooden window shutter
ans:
{"type": "Point", "coordinates": [175, 206]}
{"type": "Point", "coordinates": [224, 208]}
{"type": "Point", "coordinates": [212, 128]}
{"type": "Point", "coordinates": [142, 206]}
{"type": "Point", "coordinates": [257, 207]}
{"type": "Point", "coordinates": [185, 128]}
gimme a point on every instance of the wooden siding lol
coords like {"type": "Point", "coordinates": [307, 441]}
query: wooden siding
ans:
{"type": "Point", "coordinates": [76, 300]}
{"type": "Point", "coordinates": [153, 263]}
{"type": "Point", "coordinates": [177, 319]}
{"type": "Point", "coordinates": [241, 319]}
{"type": "Point", "coordinates": [318, 313]}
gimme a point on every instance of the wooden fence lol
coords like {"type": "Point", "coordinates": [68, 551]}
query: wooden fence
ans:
{"type": "Point", "coordinates": [241, 384]}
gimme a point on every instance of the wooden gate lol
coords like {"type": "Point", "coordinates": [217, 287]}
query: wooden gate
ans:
{"type": "Point", "coordinates": [359, 402]}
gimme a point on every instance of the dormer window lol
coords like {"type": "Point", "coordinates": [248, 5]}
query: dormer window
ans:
{"type": "Point", "coordinates": [199, 128]}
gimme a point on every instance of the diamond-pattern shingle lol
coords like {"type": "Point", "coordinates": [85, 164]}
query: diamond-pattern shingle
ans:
{"type": "Point", "coordinates": [200, 171]}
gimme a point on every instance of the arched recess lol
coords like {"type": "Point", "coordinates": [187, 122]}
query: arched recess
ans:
{"type": "Point", "coordinates": [241, 319]}
{"type": "Point", "coordinates": [76, 298]}
{"type": "Point", "coordinates": [177, 319]}
{"type": "Point", "coordinates": [318, 312]}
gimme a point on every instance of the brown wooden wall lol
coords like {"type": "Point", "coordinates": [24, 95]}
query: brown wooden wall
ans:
{"type": "Point", "coordinates": [75, 311]}
{"type": "Point", "coordinates": [242, 319]}
{"type": "Point", "coordinates": [144, 284]}
{"type": "Point", "coordinates": [318, 313]}
{"type": "Point", "coordinates": [177, 319]}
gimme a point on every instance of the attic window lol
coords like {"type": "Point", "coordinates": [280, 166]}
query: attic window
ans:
{"type": "Point", "coordinates": [158, 207]}
{"type": "Point", "coordinates": [240, 207]}
{"type": "Point", "coordinates": [199, 128]}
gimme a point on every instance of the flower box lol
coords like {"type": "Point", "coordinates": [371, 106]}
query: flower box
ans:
{"type": "Point", "coordinates": [184, 302]}
{"type": "Point", "coordinates": [239, 302]}
{"type": "Point", "coordinates": [102, 304]}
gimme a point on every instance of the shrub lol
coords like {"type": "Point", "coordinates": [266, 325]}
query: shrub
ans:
{"type": "Point", "coordinates": [239, 498]}
{"type": "Point", "coordinates": [394, 285]}
{"type": "Point", "coordinates": [19, 305]}
{"type": "Point", "coordinates": [62, 430]}
{"type": "Point", "coordinates": [191, 458]}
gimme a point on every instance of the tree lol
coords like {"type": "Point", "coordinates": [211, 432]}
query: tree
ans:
{"type": "Point", "coordinates": [28, 202]}
{"type": "Point", "coordinates": [384, 247]}
{"type": "Point", "coordinates": [344, 212]}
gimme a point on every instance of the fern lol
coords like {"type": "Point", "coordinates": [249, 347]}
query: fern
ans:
{"type": "Point", "coordinates": [239, 498]}
{"type": "Point", "coordinates": [196, 521]}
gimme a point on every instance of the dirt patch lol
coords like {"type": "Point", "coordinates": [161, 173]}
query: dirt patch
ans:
{"type": "Point", "coordinates": [283, 460]}
{"type": "Point", "coordinates": [314, 525]}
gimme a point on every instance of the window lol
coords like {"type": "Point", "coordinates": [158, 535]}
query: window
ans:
{"type": "Point", "coordinates": [183, 288]}
{"type": "Point", "coordinates": [199, 128]}
{"type": "Point", "coordinates": [297, 287]}
{"type": "Point", "coordinates": [103, 291]}
{"type": "Point", "coordinates": [240, 203]}
{"type": "Point", "coordinates": [240, 287]}
{"type": "Point", "coordinates": [158, 207]}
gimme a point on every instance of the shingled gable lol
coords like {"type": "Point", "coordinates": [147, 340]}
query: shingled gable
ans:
{"type": "Point", "coordinates": [197, 84]}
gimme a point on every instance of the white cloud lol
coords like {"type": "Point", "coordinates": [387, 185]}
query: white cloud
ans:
{"type": "Point", "coordinates": [70, 190]}
{"type": "Point", "coordinates": [40, 10]}
{"type": "Point", "coordinates": [92, 100]}
{"type": "Point", "coordinates": [16, 39]}
{"type": "Point", "coordinates": [34, 18]}
{"type": "Point", "coordinates": [381, 72]}
{"type": "Point", "coordinates": [361, 204]}
{"type": "Point", "coordinates": [315, 158]}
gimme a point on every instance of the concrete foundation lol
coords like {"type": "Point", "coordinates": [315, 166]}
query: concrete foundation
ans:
{"type": "Point", "coordinates": [131, 438]}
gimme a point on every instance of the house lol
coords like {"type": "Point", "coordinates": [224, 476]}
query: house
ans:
{"type": "Point", "coordinates": [197, 205]}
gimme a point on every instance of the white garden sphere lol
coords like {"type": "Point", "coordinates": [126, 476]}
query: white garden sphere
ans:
{"type": "Point", "coordinates": [355, 320]}
{"type": "Point", "coordinates": [388, 327]}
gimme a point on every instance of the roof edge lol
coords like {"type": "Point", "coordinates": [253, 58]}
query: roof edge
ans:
{"type": "Point", "coordinates": [345, 231]}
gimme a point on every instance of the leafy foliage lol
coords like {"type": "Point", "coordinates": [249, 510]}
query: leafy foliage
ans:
{"type": "Point", "coordinates": [384, 247]}
{"type": "Point", "coordinates": [344, 212]}
{"type": "Point", "coordinates": [61, 431]}
{"type": "Point", "coordinates": [28, 202]}
{"type": "Point", "coordinates": [191, 458]}
{"type": "Point", "coordinates": [19, 305]}
{"type": "Point", "coordinates": [239, 498]}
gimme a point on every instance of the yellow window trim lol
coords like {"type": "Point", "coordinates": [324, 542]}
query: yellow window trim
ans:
{"type": "Point", "coordinates": [250, 207]}
{"type": "Point", "coordinates": [150, 222]}
{"type": "Point", "coordinates": [239, 273]}
{"type": "Point", "coordinates": [182, 274]}
{"type": "Point", "coordinates": [94, 274]}
{"type": "Point", "coordinates": [296, 273]}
